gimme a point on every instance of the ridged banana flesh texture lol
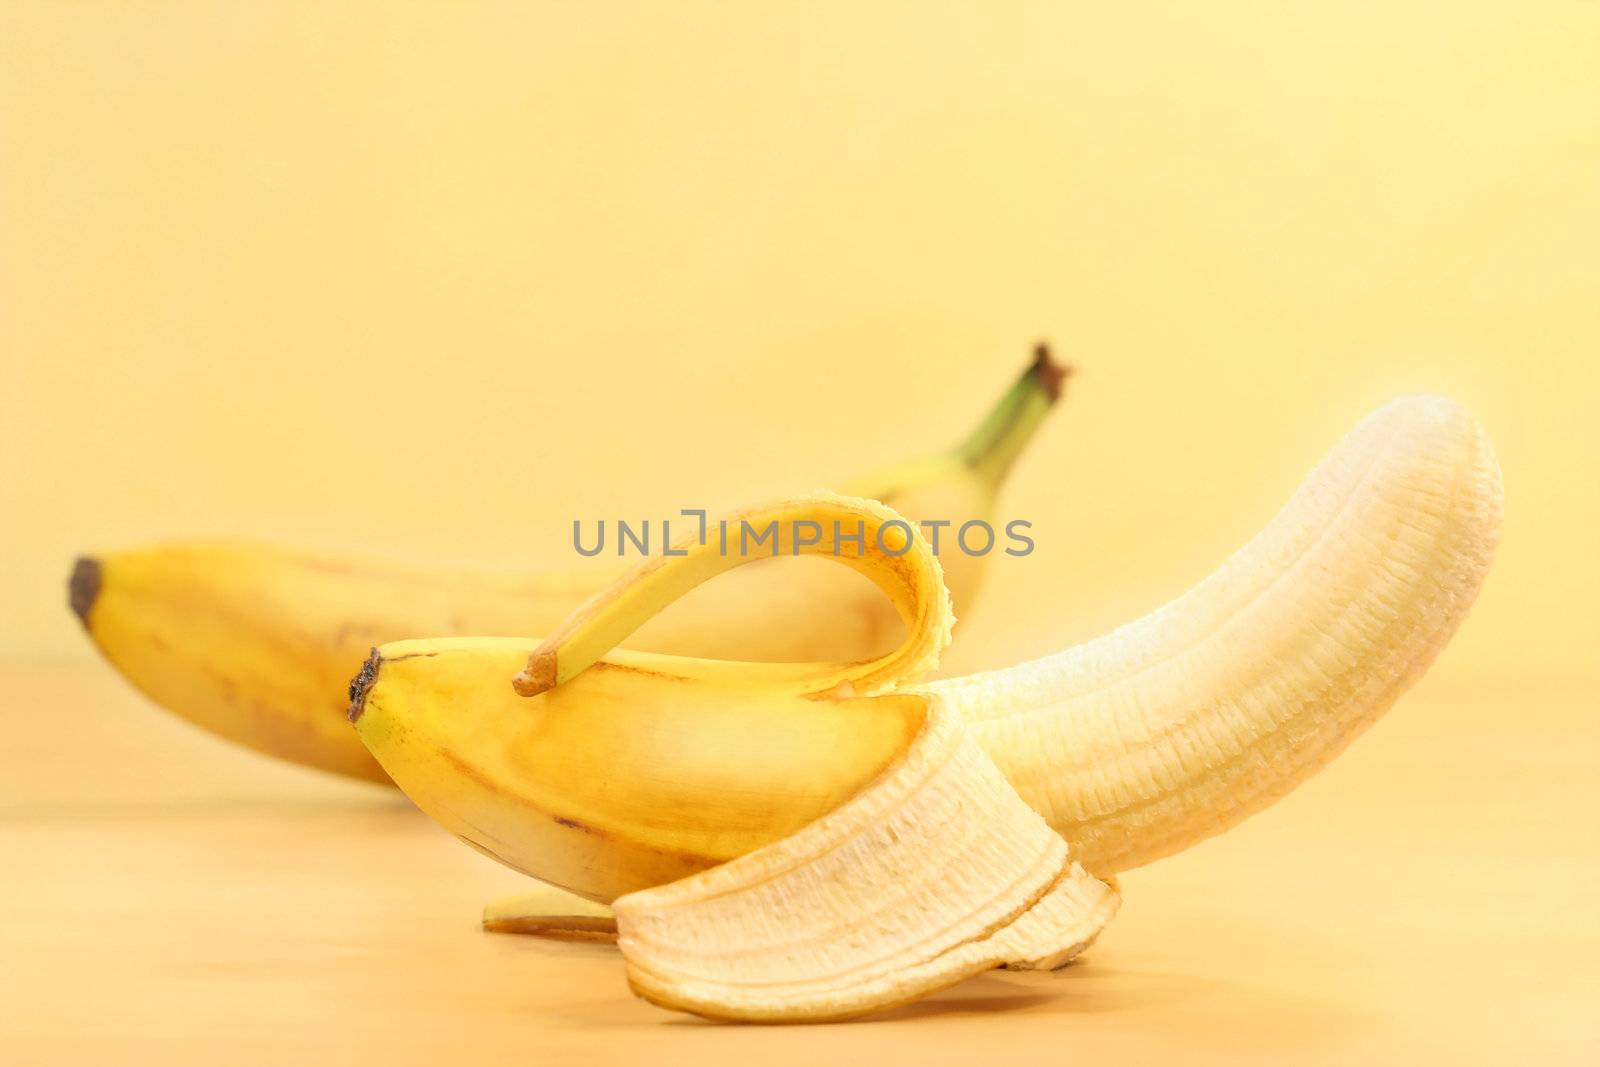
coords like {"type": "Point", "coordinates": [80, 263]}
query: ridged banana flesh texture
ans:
{"type": "Point", "coordinates": [934, 873]}
{"type": "Point", "coordinates": [256, 643]}
{"type": "Point", "coordinates": [1177, 726]}
{"type": "Point", "coordinates": [645, 769]}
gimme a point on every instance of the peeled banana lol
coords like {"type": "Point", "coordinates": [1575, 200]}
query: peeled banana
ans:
{"type": "Point", "coordinates": [638, 769]}
{"type": "Point", "coordinates": [255, 643]}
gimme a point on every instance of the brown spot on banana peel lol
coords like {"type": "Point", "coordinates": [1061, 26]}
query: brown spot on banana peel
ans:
{"type": "Point", "coordinates": [582, 828]}
{"type": "Point", "coordinates": [83, 588]}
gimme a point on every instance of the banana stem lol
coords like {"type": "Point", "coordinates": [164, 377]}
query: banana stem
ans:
{"type": "Point", "coordinates": [883, 546]}
{"type": "Point", "coordinates": [997, 442]}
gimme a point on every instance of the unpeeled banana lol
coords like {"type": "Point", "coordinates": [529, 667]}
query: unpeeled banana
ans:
{"type": "Point", "coordinates": [255, 643]}
{"type": "Point", "coordinates": [637, 769]}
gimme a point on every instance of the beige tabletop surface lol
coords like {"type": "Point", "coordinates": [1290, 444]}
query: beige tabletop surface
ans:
{"type": "Point", "coordinates": [1433, 897]}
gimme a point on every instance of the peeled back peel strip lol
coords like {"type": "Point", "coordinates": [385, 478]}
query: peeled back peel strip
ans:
{"type": "Point", "coordinates": [934, 873]}
{"type": "Point", "coordinates": [862, 534]}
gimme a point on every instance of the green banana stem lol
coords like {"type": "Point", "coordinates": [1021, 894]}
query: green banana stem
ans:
{"type": "Point", "coordinates": [995, 445]}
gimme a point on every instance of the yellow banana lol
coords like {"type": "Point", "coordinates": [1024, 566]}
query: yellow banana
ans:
{"type": "Point", "coordinates": [637, 769]}
{"type": "Point", "coordinates": [255, 643]}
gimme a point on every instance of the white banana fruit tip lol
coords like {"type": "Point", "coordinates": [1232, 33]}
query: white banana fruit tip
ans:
{"type": "Point", "coordinates": [1177, 726]}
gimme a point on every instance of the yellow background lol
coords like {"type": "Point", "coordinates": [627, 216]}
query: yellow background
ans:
{"type": "Point", "coordinates": [439, 279]}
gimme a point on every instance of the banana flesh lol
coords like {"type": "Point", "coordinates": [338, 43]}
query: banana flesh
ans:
{"type": "Point", "coordinates": [1177, 726]}
{"type": "Point", "coordinates": [1134, 746]}
{"type": "Point", "coordinates": [934, 873]}
{"type": "Point", "coordinates": [255, 643]}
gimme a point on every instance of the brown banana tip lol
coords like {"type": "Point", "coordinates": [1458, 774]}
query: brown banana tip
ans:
{"type": "Point", "coordinates": [362, 683]}
{"type": "Point", "coordinates": [1049, 373]}
{"type": "Point", "coordinates": [539, 676]}
{"type": "Point", "coordinates": [83, 588]}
